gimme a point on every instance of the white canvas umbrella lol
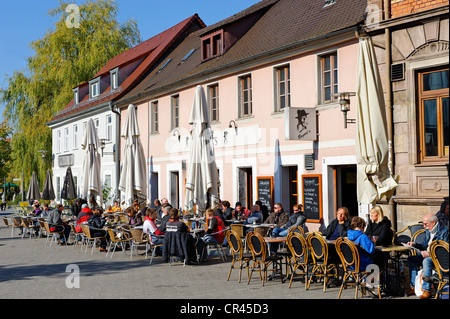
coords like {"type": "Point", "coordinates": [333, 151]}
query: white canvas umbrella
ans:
{"type": "Point", "coordinates": [92, 184]}
{"type": "Point", "coordinates": [374, 179]}
{"type": "Point", "coordinates": [202, 182]}
{"type": "Point", "coordinates": [133, 178]}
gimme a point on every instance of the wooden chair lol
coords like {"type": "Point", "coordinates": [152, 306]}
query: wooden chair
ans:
{"type": "Point", "coordinates": [320, 261]}
{"type": "Point", "coordinates": [91, 239]}
{"type": "Point", "coordinates": [54, 234]}
{"type": "Point", "coordinates": [349, 256]}
{"type": "Point", "coordinates": [261, 260]}
{"type": "Point", "coordinates": [137, 240]}
{"type": "Point", "coordinates": [298, 247]}
{"type": "Point", "coordinates": [237, 251]}
{"type": "Point", "coordinates": [439, 254]}
{"type": "Point", "coordinates": [114, 239]}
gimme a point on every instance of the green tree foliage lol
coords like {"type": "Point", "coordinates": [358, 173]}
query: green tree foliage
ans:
{"type": "Point", "coordinates": [5, 151]}
{"type": "Point", "coordinates": [64, 58]}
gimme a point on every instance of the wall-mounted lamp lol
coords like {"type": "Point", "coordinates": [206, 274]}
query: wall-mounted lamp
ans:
{"type": "Point", "coordinates": [230, 125]}
{"type": "Point", "coordinates": [102, 146]}
{"type": "Point", "coordinates": [179, 137]}
{"type": "Point", "coordinates": [43, 152]}
{"type": "Point", "coordinates": [344, 101]}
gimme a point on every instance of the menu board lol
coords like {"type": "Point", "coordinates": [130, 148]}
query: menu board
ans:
{"type": "Point", "coordinates": [312, 197]}
{"type": "Point", "coordinates": [265, 191]}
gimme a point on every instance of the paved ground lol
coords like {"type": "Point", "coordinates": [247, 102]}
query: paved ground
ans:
{"type": "Point", "coordinates": [30, 270]}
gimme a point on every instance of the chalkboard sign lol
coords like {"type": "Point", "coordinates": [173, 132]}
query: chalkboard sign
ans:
{"type": "Point", "coordinates": [265, 191]}
{"type": "Point", "coordinates": [312, 197]}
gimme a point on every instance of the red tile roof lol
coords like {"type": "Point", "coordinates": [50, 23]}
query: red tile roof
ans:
{"type": "Point", "coordinates": [150, 51]}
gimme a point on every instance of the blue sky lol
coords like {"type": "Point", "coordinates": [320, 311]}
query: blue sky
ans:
{"type": "Point", "coordinates": [24, 21]}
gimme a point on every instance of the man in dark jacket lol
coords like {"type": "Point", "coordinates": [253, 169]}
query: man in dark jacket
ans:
{"type": "Point", "coordinates": [278, 217]}
{"type": "Point", "coordinates": [297, 219]}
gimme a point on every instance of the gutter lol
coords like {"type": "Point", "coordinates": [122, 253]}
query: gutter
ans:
{"type": "Point", "coordinates": [116, 155]}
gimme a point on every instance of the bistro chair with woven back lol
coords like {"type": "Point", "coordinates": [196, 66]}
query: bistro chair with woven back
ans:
{"type": "Point", "coordinates": [298, 247]}
{"type": "Point", "coordinates": [138, 240]}
{"type": "Point", "coordinates": [28, 225]}
{"type": "Point", "coordinates": [90, 238]}
{"type": "Point", "coordinates": [54, 234]}
{"type": "Point", "coordinates": [439, 255]}
{"type": "Point", "coordinates": [321, 266]}
{"type": "Point", "coordinates": [115, 240]}
{"type": "Point", "coordinates": [353, 275]}
{"type": "Point", "coordinates": [237, 251]}
{"type": "Point", "coordinates": [262, 262]}
{"type": "Point", "coordinates": [11, 224]}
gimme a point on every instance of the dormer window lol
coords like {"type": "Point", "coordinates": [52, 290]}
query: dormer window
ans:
{"type": "Point", "coordinates": [94, 88]}
{"type": "Point", "coordinates": [114, 79]}
{"type": "Point", "coordinates": [76, 97]}
{"type": "Point", "coordinates": [212, 45]}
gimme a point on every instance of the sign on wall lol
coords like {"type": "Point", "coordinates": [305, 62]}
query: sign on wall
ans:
{"type": "Point", "coordinates": [300, 124]}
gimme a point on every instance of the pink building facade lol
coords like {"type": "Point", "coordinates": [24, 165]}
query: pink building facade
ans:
{"type": "Point", "coordinates": [271, 65]}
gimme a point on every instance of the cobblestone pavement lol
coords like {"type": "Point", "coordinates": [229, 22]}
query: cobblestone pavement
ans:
{"type": "Point", "coordinates": [29, 269]}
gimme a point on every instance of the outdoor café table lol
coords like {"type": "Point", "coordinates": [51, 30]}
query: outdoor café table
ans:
{"type": "Point", "coordinates": [269, 240]}
{"type": "Point", "coordinates": [393, 253]}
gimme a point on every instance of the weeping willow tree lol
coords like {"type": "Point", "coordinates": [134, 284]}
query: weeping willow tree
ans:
{"type": "Point", "coordinates": [68, 55]}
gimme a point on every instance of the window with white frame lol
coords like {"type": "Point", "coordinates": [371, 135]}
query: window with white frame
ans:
{"type": "Point", "coordinates": [76, 97]}
{"type": "Point", "coordinates": [329, 77]}
{"type": "Point", "coordinates": [114, 79]}
{"type": "Point", "coordinates": [109, 128]}
{"type": "Point", "coordinates": [75, 136]}
{"type": "Point", "coordinates": [282, 87]}
{"type": "Point", "coordinates": [154, 113]}
{"type": "Point", "coordinates": [245, 95]}
{"type": "Point", "coordinates": [58, 141]}
{"type": "Point", "coordinates": [175, 106]}
{"type": "Point", "coordinates": [94, 88]}
{"type": "Point", "coordinates": [66, 139]}
{"type": "Point", "coordinates": [213, 102]}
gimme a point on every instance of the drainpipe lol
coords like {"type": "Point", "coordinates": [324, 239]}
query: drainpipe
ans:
{"type": "Point", "coordinates": [116, 155]}
{"type": "Point", "coordinates": [389, 107]}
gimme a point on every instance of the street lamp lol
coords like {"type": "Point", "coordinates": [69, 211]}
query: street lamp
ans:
{"type": "Point", "coordinates": [344, 102]}
{"type": "Point", "coordinates": [102, 146]}
{"type": "Point", "coordinates": [43, 152]}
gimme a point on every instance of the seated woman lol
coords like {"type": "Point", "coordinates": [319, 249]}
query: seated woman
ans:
{"type": "Point", "coordinates": [96, 224]}
{"type": "Point", "coordinates": [366, 247]}
{"type": "Point", "coordinates": [240, 212]}
{"type": "Point", "coordinates": [150, 227]}
{"type": "Point", "coordinates": [339, 226]}
{"type": "Point", "coordinates": [134, 218]}
{"type": "Point", "coordinates": [380, 227]}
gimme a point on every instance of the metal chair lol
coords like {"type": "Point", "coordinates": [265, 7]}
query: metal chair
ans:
{"type": "Point", "coordinates": [90, 238]}
{"type": "Point", "coordinates": [28, 224]}
{"type": "Point", "coordinates": [114, 239]}
{"type": "Point", "coordinates": [14, 224]}
{"type": "Point", "coordinates": [349, 256]}
{"type": "Point", "coordinates": [320, 262]}
{"type": "Point", "coordinates": [237, 251]}
{"type": "Point", "coordinates": [298, 247]}
{"type": "Point", "coordinates": [52, 233]}
{"type": "Point", "coordinates": [152, 247]}
{"type": "Point", "coordinates": [439, 254]}
{"type": "Point", "coordinates": [218, 246]}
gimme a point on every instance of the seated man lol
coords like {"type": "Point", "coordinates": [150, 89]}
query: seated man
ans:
{"type": "Point", "coordinates": [433, 232]}
{"type": "Point", "coordinates": [177, 240]}
{"type": "Point", "coordinates": [215, 227]}
{"type": "Point", "coordinates": [155, 235]}
{"type": "Point", "coordinates": [297, 219]}
{"type": "Point", "coordinates": [56, 224]}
